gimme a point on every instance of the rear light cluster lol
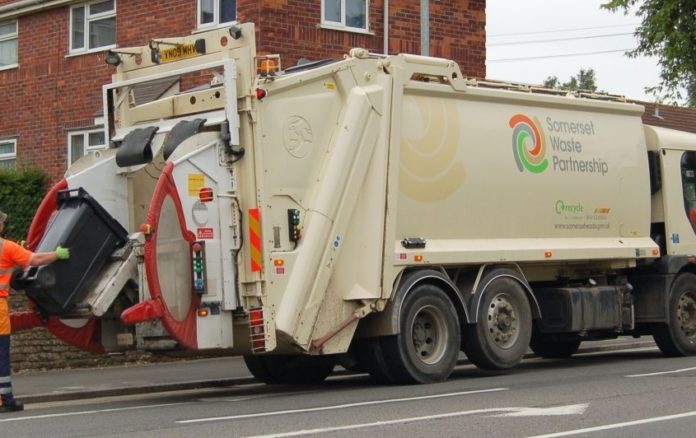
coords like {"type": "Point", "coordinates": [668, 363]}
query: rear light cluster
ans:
{"type": "Point", "coordinates": [198, 262]}
{"type": "Point", "coordinates": [257, 328]}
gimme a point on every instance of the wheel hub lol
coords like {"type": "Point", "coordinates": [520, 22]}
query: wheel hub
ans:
{"type": "Point", "coordinates": [686, 315]}
{"type": "Point", "coordinates": [428, 335]}
{"type": "Point", "coordinates": [503, 325]}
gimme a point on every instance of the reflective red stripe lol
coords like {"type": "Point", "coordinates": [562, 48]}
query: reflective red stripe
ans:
{"type": "Point", "coordinates": [255, 239]}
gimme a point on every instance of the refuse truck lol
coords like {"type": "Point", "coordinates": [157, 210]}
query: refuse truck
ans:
{"type": "Point", "coordinates": [381, 212]}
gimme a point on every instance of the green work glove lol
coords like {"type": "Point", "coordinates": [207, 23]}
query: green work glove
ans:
{"type": "Point", "coordinates": [62, 253]}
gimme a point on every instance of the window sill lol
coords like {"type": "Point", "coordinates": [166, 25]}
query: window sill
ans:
{"type": "Point", "coordinates": [209, 27]}
{"type": "Point", "coordinates": [90, 51]}
{"type": "Point", "coordinates": [9, 67]}
{"type": "Point", "coordinates": [345, 29]}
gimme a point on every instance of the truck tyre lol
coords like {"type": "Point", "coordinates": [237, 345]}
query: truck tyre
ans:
{"type": "Point", "coordinates": [427, 346]}
{"type": "Point", "coordinates": [678, 336]}
{"type": "Point", "coordinates": [501, 336]}
{"type": "Point", "coordinates": [549, 348]}
{"type": "Point", "coordinates": [290, 369]}
{"type": "Point", "coordinates": [370, 356]}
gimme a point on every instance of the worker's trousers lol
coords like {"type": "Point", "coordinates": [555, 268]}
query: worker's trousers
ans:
{"type": "Point", "coordinates": [5, 367]}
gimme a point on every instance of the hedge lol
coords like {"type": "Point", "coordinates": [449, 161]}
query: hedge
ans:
{"type": "Point", "coordinates": [21, 192]}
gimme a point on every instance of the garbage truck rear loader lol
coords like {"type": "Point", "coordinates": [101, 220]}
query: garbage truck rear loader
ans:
{"type": "Point", "coordinates": [382, 211]}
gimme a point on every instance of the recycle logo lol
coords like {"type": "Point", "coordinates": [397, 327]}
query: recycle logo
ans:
{"type": "Point", "coordinates": [528, 145]}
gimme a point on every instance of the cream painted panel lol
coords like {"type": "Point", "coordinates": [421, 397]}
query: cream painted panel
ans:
{"type": "Point", "coordinates": [463, 176]}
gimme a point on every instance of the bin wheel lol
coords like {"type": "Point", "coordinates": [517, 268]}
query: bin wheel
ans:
{"type": "Point", "coordinates": [501, 336]}
{"type": "Point", "coordinates": [427, 346]}
{"type": "Point", "coordinates": [549, 348]}
{"type": "Point", "coordinates": [678, 336]}
{"type": "Point", "coordinates": [290, 369]}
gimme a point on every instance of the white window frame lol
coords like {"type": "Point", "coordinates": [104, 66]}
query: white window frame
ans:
{"type": "Point", "coordinates": [11, 155]}
{"type": "Point", "coordinates": [88, 20]}
{"type": "Point", "coordinates": [341, 25]}
{"type": "Point", "coordinates": [216, 15]}
{"type": "Point", "coordinates": [86, 147]}
{"type": "Point", "coordinates": [10, 37]}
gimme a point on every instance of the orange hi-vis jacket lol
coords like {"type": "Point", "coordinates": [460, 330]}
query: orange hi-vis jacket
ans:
{"type": "Point", "coordinates": [11, 255]}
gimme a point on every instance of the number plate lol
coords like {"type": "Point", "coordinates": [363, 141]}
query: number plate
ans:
{"type": "Point", "coordinates": [179, 52]}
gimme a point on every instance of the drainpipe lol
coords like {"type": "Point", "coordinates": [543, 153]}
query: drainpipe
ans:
{"type": "Point", "coordinates": [386, 27]}
{"type": "Point", "coordinates": [425, 28]}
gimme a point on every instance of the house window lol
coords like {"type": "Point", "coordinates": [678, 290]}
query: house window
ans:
{"type": "Point", "coordinates": [81, 142]}
{"type": "Point", "coordinates": [8, 154]}
{"type": "Point", "coordinates": [8, 44]}
{"type": "Point", "coordinates": [92, 26]}
{"type": "Point", "coordinates": [349, 14]}
{"type": "Point", "coordinates": [215, 12]}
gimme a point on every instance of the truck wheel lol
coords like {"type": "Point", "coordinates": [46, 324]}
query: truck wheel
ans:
{"type": "Point", "coordinates": [678, 336]}
{"type": "Point", "coordinates": [370, 356]}
{"type": "Point", "coordinates": [427, 346]}
{"type": "Point", "coordinates": [290, 369]}
{"type": "Point", "coordinates": [550, 348]}
{"type": "Point", "coordinates": [501, 336]}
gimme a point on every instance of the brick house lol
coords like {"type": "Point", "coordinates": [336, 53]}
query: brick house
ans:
{"type": "Point", "coordinates": [669, 116]}
{"type": "Point", "coordinates": [52, 53]}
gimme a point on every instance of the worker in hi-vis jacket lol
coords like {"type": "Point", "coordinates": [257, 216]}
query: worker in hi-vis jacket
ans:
{"type": "Point", "coordinates": [11, 256]}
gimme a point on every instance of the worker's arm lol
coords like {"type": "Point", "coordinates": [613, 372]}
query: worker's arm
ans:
{"type": "Point", "coordinates": [44, 258]}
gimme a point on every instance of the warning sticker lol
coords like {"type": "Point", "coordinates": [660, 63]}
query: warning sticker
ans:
{"type": "Point", "coordinates": [205, 233]}
{"type": "Point", "coordinates": [195, 183]}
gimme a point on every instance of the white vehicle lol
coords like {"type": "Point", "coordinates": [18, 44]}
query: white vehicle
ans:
{"type": "Point", "coordinates": [385, 210]}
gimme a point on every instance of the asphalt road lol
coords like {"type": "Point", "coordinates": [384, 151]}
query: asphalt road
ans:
{"type": "Point", "coordinates": [636, 393]}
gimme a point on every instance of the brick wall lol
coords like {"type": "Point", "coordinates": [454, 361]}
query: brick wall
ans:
{"type": "Point", "coordinates": [51, 92]}
{"type": "Point", "coordinates": [291, 28]}
{"type": "Point", "coordinates": [37, 349]}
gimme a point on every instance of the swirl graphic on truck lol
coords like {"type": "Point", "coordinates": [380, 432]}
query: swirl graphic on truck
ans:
{"type": "Point", "coordinates": [430, 169]}
{"type": "Point", "coordinates": [528, 145]}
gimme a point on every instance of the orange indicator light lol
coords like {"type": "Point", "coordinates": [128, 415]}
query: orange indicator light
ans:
{"type": "Point", "coordinates": [418, 258]}
{"type": "Point", "coordinates": [656, 251]}
{"type": "Point", "coordinates": [268, 66]}
{"type": "Point", "coordinates": [279, 262]}
{"type": "Point", "coordinates": [548, 254]}
{"type": "Point", "coordinates": [203, 312]}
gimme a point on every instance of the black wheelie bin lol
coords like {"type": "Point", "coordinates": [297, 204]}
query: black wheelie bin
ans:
{"type": "Point", "coordinates": [91, 234]}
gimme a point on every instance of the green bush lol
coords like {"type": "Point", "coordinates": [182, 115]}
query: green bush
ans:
{"type": "Point", "coordinates": [21, 192]}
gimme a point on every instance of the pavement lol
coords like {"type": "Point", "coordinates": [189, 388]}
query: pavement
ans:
{"type": "Point", "coordinates": [218, 372]}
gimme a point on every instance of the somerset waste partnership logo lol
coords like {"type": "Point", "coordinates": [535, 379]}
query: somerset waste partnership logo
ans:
{"type": "Point", "coordinates": [528, 145]}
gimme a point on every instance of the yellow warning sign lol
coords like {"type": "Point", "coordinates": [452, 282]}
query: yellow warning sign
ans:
{"type": "Point", "coordinates": [195, 183]}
